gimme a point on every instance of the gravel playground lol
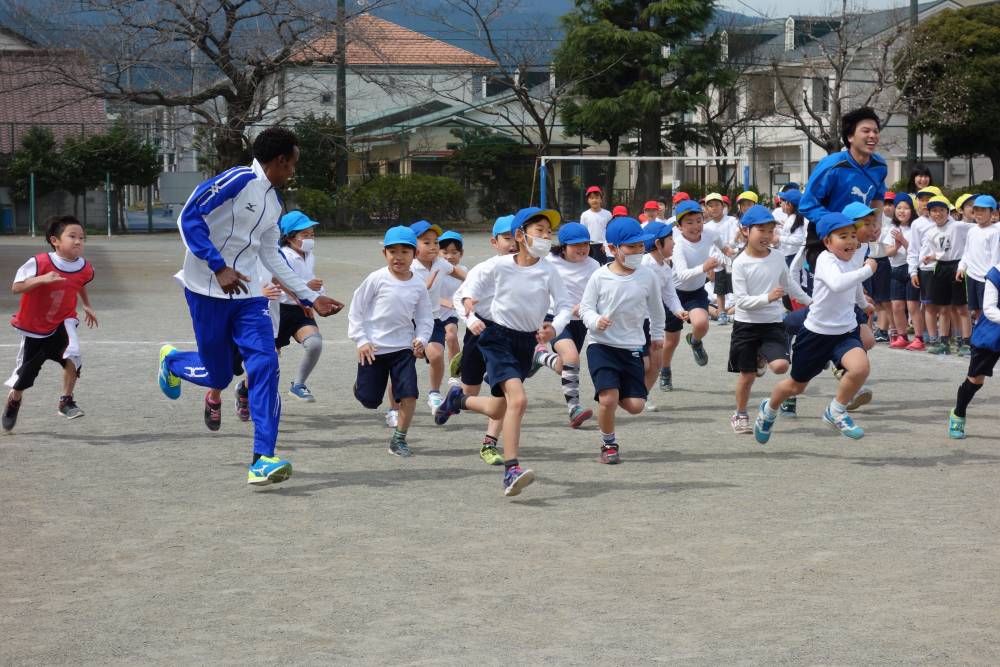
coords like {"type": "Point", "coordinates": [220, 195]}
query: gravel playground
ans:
{"type": "Point", "coordinates": [131, 537]}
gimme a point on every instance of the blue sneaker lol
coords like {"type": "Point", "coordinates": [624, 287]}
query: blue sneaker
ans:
{"type": "Point", "coordinates": [762, 425]}
{"type": "Point", "coordinates": [697, 349]}
{"type": "Point", "coordinates": [515, 479]}
{"type": "Point", "coordinates": [399, 448]}
{"type": "Point", "coordinates": [170, 384]}
{"type": "Point", "coordinates": [449, 407]}
{"type": "Point", "coordinates": [269, 470]}
{"type": "Point", "coordinates": [301, 392]}
{"type": "Point", "coordinates": [956, 426]}
{"type": "Point", "coordinates": [844, 424]}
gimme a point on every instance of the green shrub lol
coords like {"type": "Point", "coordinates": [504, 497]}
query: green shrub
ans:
{"type": "Point", "coordinates": [317, 204]}
{"type": "Point", "coordinates": [385, 201]}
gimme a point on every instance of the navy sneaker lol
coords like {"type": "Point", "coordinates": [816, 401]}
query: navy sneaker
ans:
{"type": "Point", "coordinates": [449, 407]}
{"type": "Point", "coordinates": [515, 479]}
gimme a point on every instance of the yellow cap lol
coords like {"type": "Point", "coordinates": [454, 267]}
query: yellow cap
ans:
{"type": "Point", "coordinates": [749, 196]}
{"type": "Point", "coordinates": [960, 202]}
{"type": "Point", "coordinates": [714, 196]}
{"type": "Point", "coordinates": [940, 201]}
{"type": "Point", "coordinates": [932, 190]}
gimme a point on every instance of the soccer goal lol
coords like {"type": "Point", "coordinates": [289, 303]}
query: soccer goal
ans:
{"type": "Point", "coordinates": [574, 173]}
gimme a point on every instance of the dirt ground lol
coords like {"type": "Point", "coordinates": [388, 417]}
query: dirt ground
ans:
{"type": "Point", "coordinates": [131, 537]}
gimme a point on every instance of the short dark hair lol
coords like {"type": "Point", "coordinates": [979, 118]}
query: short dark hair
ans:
{"type": "Point", "coordinates": [451, 242]}
{"type": "Point", "coordinates": [851, 119]}
{"type": "Point", "coordinates": [273, 143]}
{"type": "Point", "coordinates": [57, 224]}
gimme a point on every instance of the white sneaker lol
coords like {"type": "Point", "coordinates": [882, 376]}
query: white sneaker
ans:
{"type": "Point", "coordinates": [863, 397]}
{"type": "Point", "coordinates": [651, 408]}
{"type": "Point", "coordinates": [454, 382]}
{"type": "Point", "coordinates": [392, 418]}
{"type": "Point", "coordinates": [434, 401]}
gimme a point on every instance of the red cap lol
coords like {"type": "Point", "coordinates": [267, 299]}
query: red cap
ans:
{"type": "Point", "coordinates": [725, 198]}
{"type": "Point", "coordinates": [651, 204]}
{"type": "Point", "coordinates": [681, 196]}
{"type": "Point", "coordinates": [890, 196]}
{"type": "Point", "coordinates": [595, 188]}
{"type": "Point", "coordinates": [619, 210]}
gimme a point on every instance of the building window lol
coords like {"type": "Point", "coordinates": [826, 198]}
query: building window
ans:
{"type": "Point", "coordinates": [760, 94]}
{"type": "Point", "coordinates": [789, 34]}
{"type": "Point", "coordinates": [326, 99]}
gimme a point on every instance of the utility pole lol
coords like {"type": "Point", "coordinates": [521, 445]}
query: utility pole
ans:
{"type": "Point", "coordinates": [911, 132]}
{"type": "Point", "coordinates": [341, 165]}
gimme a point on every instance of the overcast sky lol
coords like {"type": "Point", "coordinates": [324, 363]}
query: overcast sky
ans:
{"type": "Point", "coordinates": [773, 9]}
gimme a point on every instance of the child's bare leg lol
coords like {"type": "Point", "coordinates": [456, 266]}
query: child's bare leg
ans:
{"type": "Point", "coordinates": [670, 343]}
{"type": "Point", "coordinates": [493, 426]}
{"type": "Point", "coordinates": [699, 323]}
{"type": "Point", "coordinates": [743, 385]}
{"type": "Point", "coordinates": [633, 406]}
{"type": "Point", "coordinates": [917, 319]}
{"type": "Point", "coordinates": [652, 364]}
{"type": "Point", "coordinates": [930, 319]}
{"type": "Point", "coordinates": [69, 377]}
{"type": "Point", "coordinates": [406, 409]}
{"type": "Point", "coordinates": [960, 314]}
{"type": "Point", "coordinates": [856, 369]}
{"type": "Point", "coordinates": [435, 358]}
{"type": "Point", "coordinates": [607, 404]}
{"type": "Point", "coordinates": [516, 404]}
{"type": "Point", "coordinates": [785, 390]}
{"type": "Point", "coordinates": [15, 395]}
{"type": "Point", "coordinates": [451, 340]}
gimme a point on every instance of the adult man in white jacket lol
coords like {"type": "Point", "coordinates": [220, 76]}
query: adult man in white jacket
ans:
{"type": "Point", "coordinates": [227, 224]}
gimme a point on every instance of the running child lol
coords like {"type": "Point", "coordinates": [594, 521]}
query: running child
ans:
{"type": "Point", "coordinates": [522, 287]}
{"type": "Point", "coordinates": [390, 321]}
{"type": "Point", "coordinates": [760, 281]}
{"type": "Point", "coordinates": [982, 252]}
{"type": "Point", "coordinates": [575, 266]}
{"type": "Point", "coordinates": [659, 250]}
{"type": "Point", "coordinates": [430, 267]}
{"type": "Point", "coordinates": [596, 219]}
{"type": "Point", "coordinates": [830, 332]}
{"type": "Point", "coordinates": [727, 228]}
{"type": "Point", "coordinates": [985, 349]}
{"type": "Point", "coordinates": [693, 265]}
{"type": "Point", "coordinates": [617, 300]}
{"type": "Point", "coordinates": [49, 284]}
{"type": "Point", "coordinates": [472, 365]}
{"type": "Point", "coordinates": [451, 249]}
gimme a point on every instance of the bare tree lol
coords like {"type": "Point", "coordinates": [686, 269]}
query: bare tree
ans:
{"type": "Point", "coordinates": [218, 60]}
{"type": "Point", "coordinates": [843, 65]}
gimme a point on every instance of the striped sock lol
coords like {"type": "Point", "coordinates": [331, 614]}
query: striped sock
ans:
{"type": "Point", "coordinates": [608, 438]}
{"type": "Point", "coordinates": [398, 436]}
{"type": "Point", "coordinates": [545, 358]}
{"type": "Point", "coordinates": [571, 385]}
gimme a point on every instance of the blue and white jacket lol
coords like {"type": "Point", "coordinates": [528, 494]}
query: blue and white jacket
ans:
{"type": "Point", "coordinates": [986, 333]}
{"type": "Point", "coordinates": [230, 220]}
{"type": "Point", "coordinates": [839, 180]}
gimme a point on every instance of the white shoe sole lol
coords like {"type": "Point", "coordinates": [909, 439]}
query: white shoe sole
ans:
{"type": "Point", "coordinates": [76, 416]}
{"type": "Point", "coordinates": [860, 399]}
{"type": "Point", "coordinates": [304, 400]}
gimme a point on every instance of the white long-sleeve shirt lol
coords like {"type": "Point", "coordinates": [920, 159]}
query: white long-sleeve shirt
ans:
{"type": "Point", "coordinates": [304, 267]}
{"type": "Point", "coordinates": [836, 290]}
{"type": "Point", "coordinates": [754, 278]}
{"type": "Point", "coordinates": [484, 307]}
{"type": "Point", "coordinates": [520, 294]}
{"type": "Point", "coordinates": [449, 285]}
{"type": "Point", "coordinates": [440, 268]}
{"type": "Point", "coordinates": [596, 223]}
{"type": "Point", "coordinates": [727, 229]}
{"type": "Point", "coordinates": [944, 243]}
{"type": "Point", "coordinates": [690, 256]}
{"type": "Point", "coordinates": [914, 258]}
{"type": "Point", "coordinates": [899, 259]}
{"type": "Point", "coordinates": [790, 242]}
{"type": "Point", "coordinates": [627, 301]}
{"type": "Point", "coordinates": [982, 251]}
{"type": "Point", "coordinates": [384, 309]}
{"type": "Point", "coordinates": [574, 276]}
{"type": "Point", "coordinates": [668, 292]}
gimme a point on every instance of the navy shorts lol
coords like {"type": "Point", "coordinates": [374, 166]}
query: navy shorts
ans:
{"type": "Point", "coordinates": [292, 318]}
{"type": "Point", "coordinates": [575, 331]}
{"type": "Point", "coordinates": [508, 354]}
{"type": "Point", "coordinates": [616, 368]}
{"type": "Point", "coordinates": [473, 365]}
{"type": "Point", "coordinates": [400, 367]}
{"type": "Point", "coordinates": [723, 283]}
{"type": "Point", "coordinates": [692, 299]}
{"type": "Point", "coordinates": [450, 320]}
{"type": "Point", "coordinates": [811, 351]}
{"type": "Point", "coordinates": [926, 284]}
{"type": "Point", "coordinates": [880, 287]}
{"type": "Point", "coordinates": [982, 361]}
{"type": "Point", "coordinates": [437, 335]}
{"type": "Point", "coordinates": [749, 339]}
{"type": "Point", "coordinates": [597, 252]}
{"type": "Point", "coordinates": [901, 287]}
{"type": "Point", "coordinates": [975, 290]}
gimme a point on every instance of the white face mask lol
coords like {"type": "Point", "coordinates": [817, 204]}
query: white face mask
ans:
{"type": "Point", "coordinates": [306, 245]}
{"type": "Point", "coordinates": [632, 261]}
{"type": "Point", "coordinates": [539, 247]}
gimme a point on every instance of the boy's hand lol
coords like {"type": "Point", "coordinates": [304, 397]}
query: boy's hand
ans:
{"type": "Point", "coordinates": [545, 333]}
{"type": "Point", "coordinates": [682, 315]}
{"type": "Point", "coordinates": [271, 291]}
{"type": "Point", "coordinates": [871, 264]}
{"type": "Point", "coordinates": [576, 310]}
{"type": "Point", "coordinates": [50, 277]}
{"type": "Point", "coordinates": [309, 312]}
{"type": "Point", "coordinates": [418, 349]}
{"type": "Point", "coordinates": [326, 306]}
{"type": "Point", "coordinates": [959, 276]}
{"type": "Point", "coordinates": [710, 264]}
{"type": "Point", "coordinates": [477, 327]}
{"type": "Point", "coordinates": [928, 259]}
{"type": "Point", "coordinates": [366, 354]}
{"type": "Point", "coordinates": [232, 281]}
{"type": "Point", "coordinates": [915, 280]}
{"type": "Point", "coordinates": [89, 316]}
{"type": "Point", "coordinates": [469, 304]}
{"type": "Point", "coordinates": [603, 323]}
{"type": "Point", "coordinates": [776, 293]}
{"type": "Point", "coordinates": [315, 284]}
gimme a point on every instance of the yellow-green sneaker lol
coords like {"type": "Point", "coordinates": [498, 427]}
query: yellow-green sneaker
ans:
{"type": "Point", "coordinates": [170, 384]}
{"type": "Point", "coordinates": [455, 367]}
{"type": "Point", "coordinates": [490, 455]}
{"type": "Point", "coordinates": [269, 470]}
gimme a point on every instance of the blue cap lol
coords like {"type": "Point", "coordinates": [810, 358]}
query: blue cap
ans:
{"type": "Point", "coordinates": [685, 207]}
{"type": "Point", "coordinates": [502, 225]}
{"type": "Point", "coordinates": [573, 232]}
{"type": "Point", "coordinates": [756, 215]}
{"type": "Point", "coordinates": [985, 201]}
{"type": "Point", "coordinates": [903, 197]}
{"type": "Point", "coordinates": [294, 222]}
{"type": "Point", "coordinates": [399, 236]}
{"type": "Point", "coordinates": [657, 230]}
{"type": "Point", "coordinates": [793, 197]}
{"type": "Point", "coordinates": [526, 214]}
{"type": "Point", "coordinates": [790, 185]}
{"type": "Point", "coordinates": [451, 236]}
{"type": "Point", "coordinates": [831, 222]}
{"type": "Point", "coordinates": [624, 230]}
{"type": "Point", "coordinates": [421, 227]}
{"type": "Point", "coordinates": [856, 210]}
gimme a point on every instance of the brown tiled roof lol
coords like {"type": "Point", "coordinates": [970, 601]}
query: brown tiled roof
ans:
{"type": "Point", "coordinates": [29, 97]}
{"type": "Point", "coordinates": [375, 41]}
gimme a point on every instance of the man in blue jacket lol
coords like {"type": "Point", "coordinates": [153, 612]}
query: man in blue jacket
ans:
{"type": "Point", "coordinates": [856, 174]}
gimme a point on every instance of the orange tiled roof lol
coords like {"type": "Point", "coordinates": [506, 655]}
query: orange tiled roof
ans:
{"type": "Point", "coordinates": [375, 41]}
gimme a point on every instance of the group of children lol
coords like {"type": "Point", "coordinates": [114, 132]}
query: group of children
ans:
{"type": "Point", "coordinates": [628, 291]}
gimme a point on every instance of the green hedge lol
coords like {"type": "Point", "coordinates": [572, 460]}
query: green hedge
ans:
{"type": "Point", "coordinates": [384, 201]}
